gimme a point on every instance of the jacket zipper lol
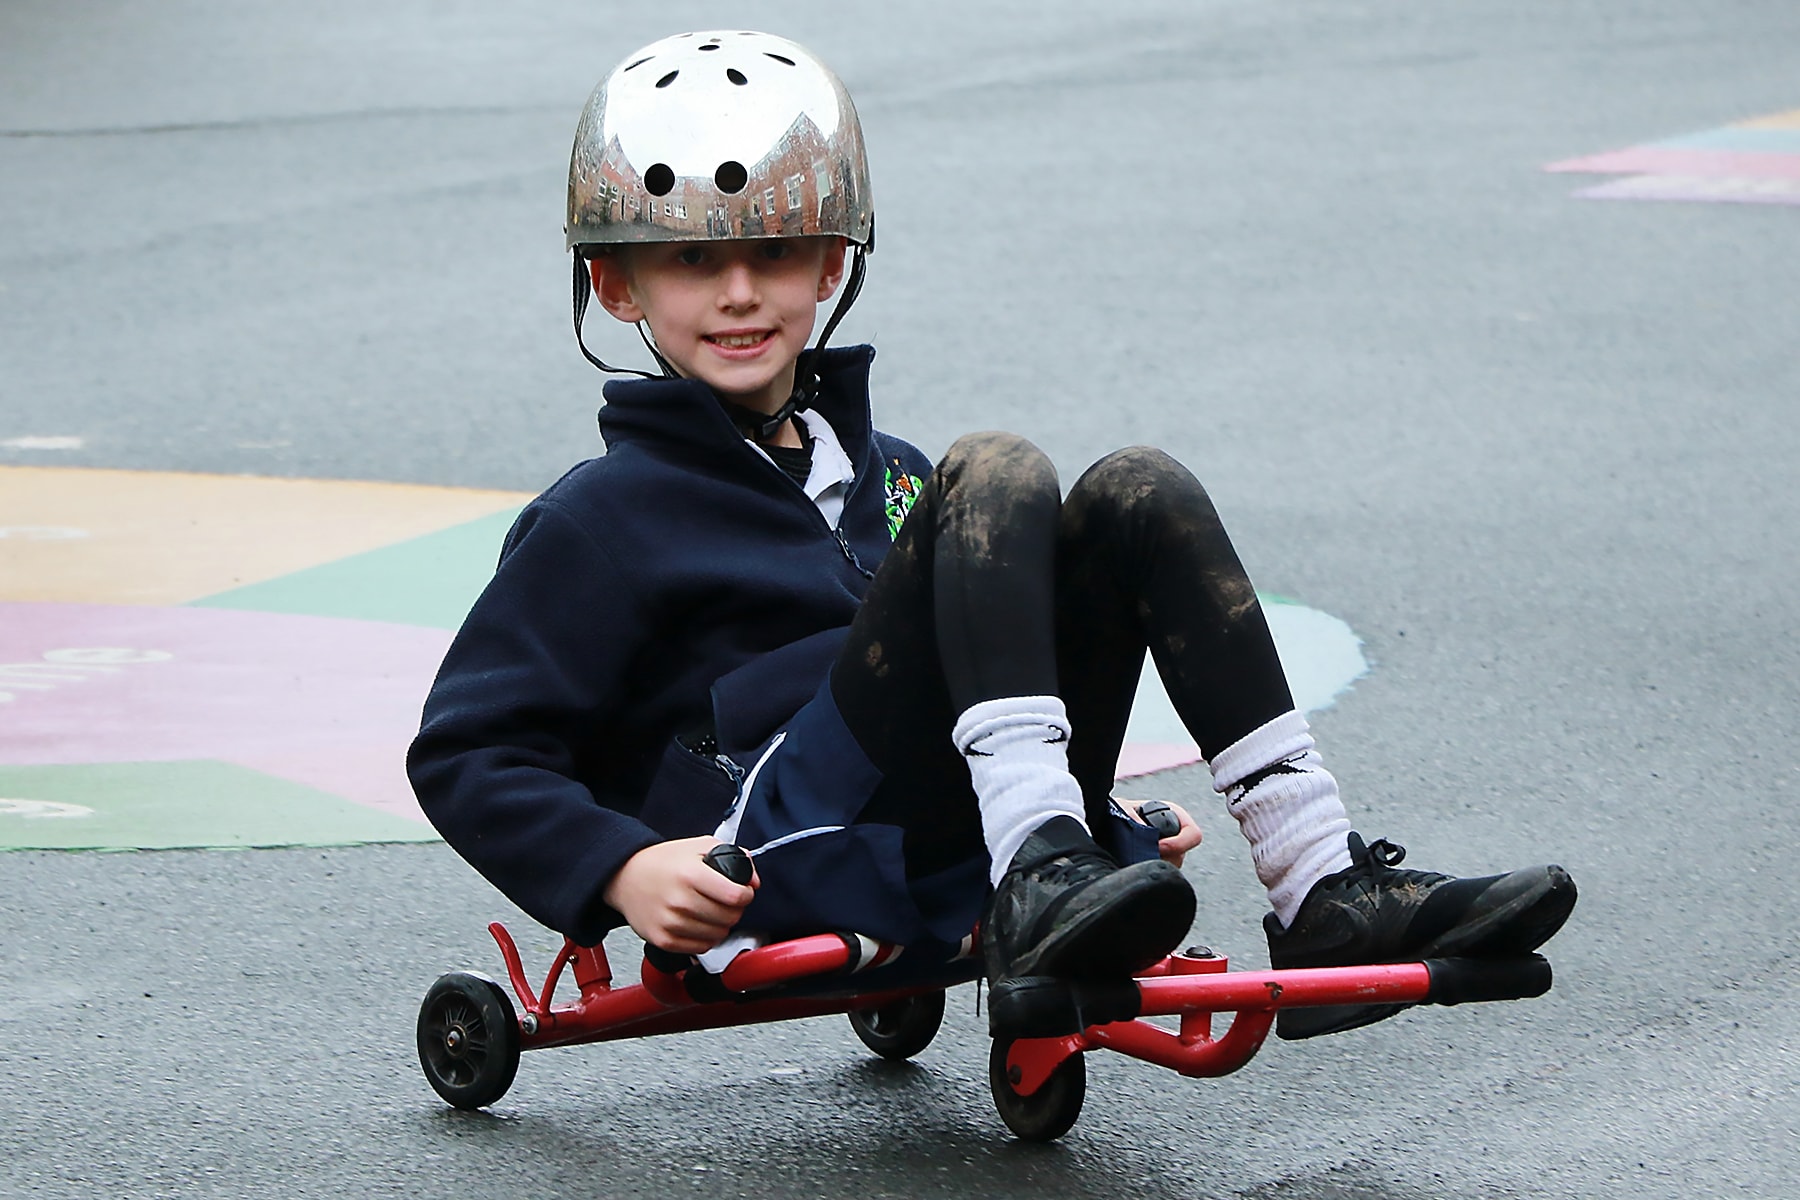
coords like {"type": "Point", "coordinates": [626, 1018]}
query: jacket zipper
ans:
{"type": "Point", "coordinates": [836, 532]}
{"type": "Point", "coordinates": [849, 553]}
{"type": "Point", "coordinates": [708, 747]}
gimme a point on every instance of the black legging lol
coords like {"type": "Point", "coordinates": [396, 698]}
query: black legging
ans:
{"type": "Point", "coordinates": [997, 586]}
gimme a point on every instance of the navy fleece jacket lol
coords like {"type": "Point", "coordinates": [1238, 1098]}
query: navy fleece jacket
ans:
{"type": "Point", "coordinates": [680, 582]}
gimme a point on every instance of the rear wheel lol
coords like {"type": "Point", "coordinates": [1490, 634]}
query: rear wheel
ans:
{"type": "Point", "coordinates": [468, 1040]}
{"type": "Point", "coordinates": [903, 1028]}
{"type": "Point", "coordinates": [1047, 1113]}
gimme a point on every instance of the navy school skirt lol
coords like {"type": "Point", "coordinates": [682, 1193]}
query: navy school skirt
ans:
{"type": "Point", "coordinates": [823, 871]}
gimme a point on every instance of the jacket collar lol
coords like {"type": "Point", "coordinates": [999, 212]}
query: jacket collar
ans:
{"type": "Point", "coordinates": [671, 414]}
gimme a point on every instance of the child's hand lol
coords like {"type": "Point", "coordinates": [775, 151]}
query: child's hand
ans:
{"type": "Point", "coordinates": [1173, 849]}
{"type": "Point", "coordinates": [676, 901]}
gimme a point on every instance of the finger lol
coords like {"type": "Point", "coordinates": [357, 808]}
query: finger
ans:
{"type": "Point", "coordinates": [683, 945]}
{"type": "Point", "coordinates": [721, 891]}
{"type": "Point", "coordinates": [698, 911]}
{"type": "Point", "coordinates": [693, 933]}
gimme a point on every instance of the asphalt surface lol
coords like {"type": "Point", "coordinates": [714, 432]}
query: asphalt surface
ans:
{"type": "Point", "coordinates": [1539, 452]}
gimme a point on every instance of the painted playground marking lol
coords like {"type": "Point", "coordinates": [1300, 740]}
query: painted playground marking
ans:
{"type": "Point", "coordinates": [42, 443]}
{"type": "Point", "coordinates": [1751, 162]}
{"type": "Point", "coordinates": [61, 667]}
{"type": "Point", "coordinates": [1320, 653]}
{"type": "Point", "coordinates": [37, 810]}
{"type": "Point", "coordinates": [42, 533]}
{"type": "Point", "coordinates": [194, 661]}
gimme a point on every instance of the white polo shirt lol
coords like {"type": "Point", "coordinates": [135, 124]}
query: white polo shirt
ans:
{"type": "Point", "coordinates": [831, 476]}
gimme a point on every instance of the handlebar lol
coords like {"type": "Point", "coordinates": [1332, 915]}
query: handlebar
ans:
{"type": "Point", "coordinates": [732, 862]}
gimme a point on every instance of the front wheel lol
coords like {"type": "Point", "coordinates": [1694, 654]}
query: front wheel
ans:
{"type": "Point", "coordinates": [902, 1029]}
{"type": "Point", "coordinates": [468, 1040]}
{"type": "Point", "coordinates": [1047, 1113]}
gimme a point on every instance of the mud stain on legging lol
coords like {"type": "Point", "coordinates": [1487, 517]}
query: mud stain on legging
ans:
{"type": "Point", "coordinates": [1014, 473]}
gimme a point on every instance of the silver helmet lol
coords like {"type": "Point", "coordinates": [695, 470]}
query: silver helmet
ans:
{"type": "Point", "coordinates": [709, 136]}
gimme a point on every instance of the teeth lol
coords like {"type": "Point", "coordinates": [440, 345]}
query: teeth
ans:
{"type": "Point", "coordinates": [739, 341]}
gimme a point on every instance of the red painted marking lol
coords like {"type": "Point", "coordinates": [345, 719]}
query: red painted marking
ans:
{"type": "Point", "coordinates": [1142, 758]}
{"type": "Point", "coordinates": [1695, 187]}
{"type": "Point", "coordinates": [1653, 160]}
{"type": "Point", "coordinates": [322, 701]}
{"type": "Point", "coordinates": [326, 702]}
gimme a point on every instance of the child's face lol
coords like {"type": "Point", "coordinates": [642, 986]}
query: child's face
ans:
{"type": "Point", "coordinates": [733, 314]}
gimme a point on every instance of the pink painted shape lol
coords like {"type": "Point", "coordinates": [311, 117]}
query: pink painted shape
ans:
{"type": "Point", "coordinates": [326, 702]}
{"type": "Point", "coordinates": [1654, 160]}
{"type": "Point", "coordinates": [322, 701]}
{"type": "Point", "coordinates": [1696, 188]}
{"type": "Point", "coordinates": [1143, 758]}
{"type": "Point", "coordinates": [373, 775]}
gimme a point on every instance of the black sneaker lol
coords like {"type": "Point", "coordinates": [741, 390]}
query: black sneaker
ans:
{"type": "Point", "coordinates": [1065, 912]}
{"type": "Point", "coordinates": [1371, 912]}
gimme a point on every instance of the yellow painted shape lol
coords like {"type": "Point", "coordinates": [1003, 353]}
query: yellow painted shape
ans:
{"type": "Point", "coordinates": [75, 535]}
{"type": "Point", "coordinates": [1781, 120]}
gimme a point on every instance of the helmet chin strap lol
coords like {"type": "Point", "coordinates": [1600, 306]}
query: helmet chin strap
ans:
{"type": "Point", "coordinates": [583, 291]}
{"type": "Point", "coordinates": [756, 425]}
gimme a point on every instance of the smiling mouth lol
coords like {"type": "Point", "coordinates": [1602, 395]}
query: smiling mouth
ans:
{"type": "Point", "coordinates": [740, 341]}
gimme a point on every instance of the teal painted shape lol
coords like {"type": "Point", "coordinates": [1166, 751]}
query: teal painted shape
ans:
{"type": "Point", "coordinates": [431, 580]}
{"type": "Point", "coordinates": [1742, 141]}
{"type": "Point", "coordinates": [196, 804]}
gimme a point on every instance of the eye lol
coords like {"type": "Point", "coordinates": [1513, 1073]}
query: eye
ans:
{"type": "Point", "coordinates": [691, 256]}
{"type": "Point", "coordinates": [776, 251]}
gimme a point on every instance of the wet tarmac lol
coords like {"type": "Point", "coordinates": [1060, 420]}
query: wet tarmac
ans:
{"type": "Point", "coordinates": [1537, 450]}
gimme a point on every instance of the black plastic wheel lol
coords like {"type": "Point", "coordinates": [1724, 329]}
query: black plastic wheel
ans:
{"type": "Point", "coordinates": [903, 1028]}
{"type": "Point", "coordinates": [1047, 1113]}
{"type": "Point", "coordinates": [468, 1039]}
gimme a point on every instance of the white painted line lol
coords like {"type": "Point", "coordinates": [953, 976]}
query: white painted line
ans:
{"type": "Point", "coordinates": [106, 655]}
{"type": "Point", "coordinates": [41, 443]}
{"type": "Point", "coordinates": [37, 809]}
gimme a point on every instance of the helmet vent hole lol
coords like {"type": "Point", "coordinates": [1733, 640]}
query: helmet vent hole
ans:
{"type": "Point", "coordinates": [731, 177]}
{"type": "Point", "coordinates": [659, 180]}
{"type": "Point", "coordinates": [640, 62]}
{"type": "Point", "coordinates": [778, 58]}
{"type": "Point", "coordinates": [666, 80]}
{"type": "Point", "coordinates": [710, 46]}
{"type": "Point", "coordinates": [736, 76]}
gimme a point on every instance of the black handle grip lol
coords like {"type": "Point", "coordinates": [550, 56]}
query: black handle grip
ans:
{"type": "Point", "coordinates": [666, 961]}
{"type": "Point", "coordinates": [731, 862]}
{"type": "Point", "coordinates": [1160, 817]}
{"type": "Point", "coordinates": [1461, 980]}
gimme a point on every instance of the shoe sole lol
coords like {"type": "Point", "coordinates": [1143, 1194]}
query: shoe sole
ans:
{"type": "Point", "coordinates": [1041, 1006]}
{"type": "Point", "coordinates": [1514, 928]}
{"type": "Point", "coordinates": [1137, 917]}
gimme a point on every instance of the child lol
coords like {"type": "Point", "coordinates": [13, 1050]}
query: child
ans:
{"type": "Point", "coordinates": [759, 619]}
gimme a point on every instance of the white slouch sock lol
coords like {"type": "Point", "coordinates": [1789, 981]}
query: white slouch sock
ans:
{"type": "Point", "coordinates": [1017, 748]}
{"type": "Point", "coordinates": [1286, 803]}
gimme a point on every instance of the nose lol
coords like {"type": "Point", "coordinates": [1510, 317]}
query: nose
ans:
{"type": "Point", "coordinates": [737, 288]}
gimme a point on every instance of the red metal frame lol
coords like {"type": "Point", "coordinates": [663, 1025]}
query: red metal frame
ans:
{"type": "Point", "coordinates": [1193, 987]}
{"type": "Point", "coordinates": [1197, 988]}
{"type": "Point", "coordinates": [660, 1001]}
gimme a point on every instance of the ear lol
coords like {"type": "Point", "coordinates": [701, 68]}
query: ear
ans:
{"type": "Point", "coordinates": [831, 272]}
{"type": "Point", "coordinates": [612, 287]}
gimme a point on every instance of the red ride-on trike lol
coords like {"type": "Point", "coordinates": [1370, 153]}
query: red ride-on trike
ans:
{"type": "Point", "coordinates": [470, 1034]}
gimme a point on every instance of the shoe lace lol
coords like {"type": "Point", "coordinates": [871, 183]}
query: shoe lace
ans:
{"type": "Point", "coordinates": [1381, 859]}
{"type": "Point", "coordinates": [1382, 853]}
{"type": "Point", "coordinates": [1072, 867]}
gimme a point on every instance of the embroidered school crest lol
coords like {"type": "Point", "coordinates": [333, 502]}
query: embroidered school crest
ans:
{"type": "Point", "coordinates": [902, 494]}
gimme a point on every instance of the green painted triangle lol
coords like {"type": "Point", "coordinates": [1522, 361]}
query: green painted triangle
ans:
{"type": "Point", "coordinates": [430, 580]}
{"type": "Point", "coordinates": [175, 805]}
